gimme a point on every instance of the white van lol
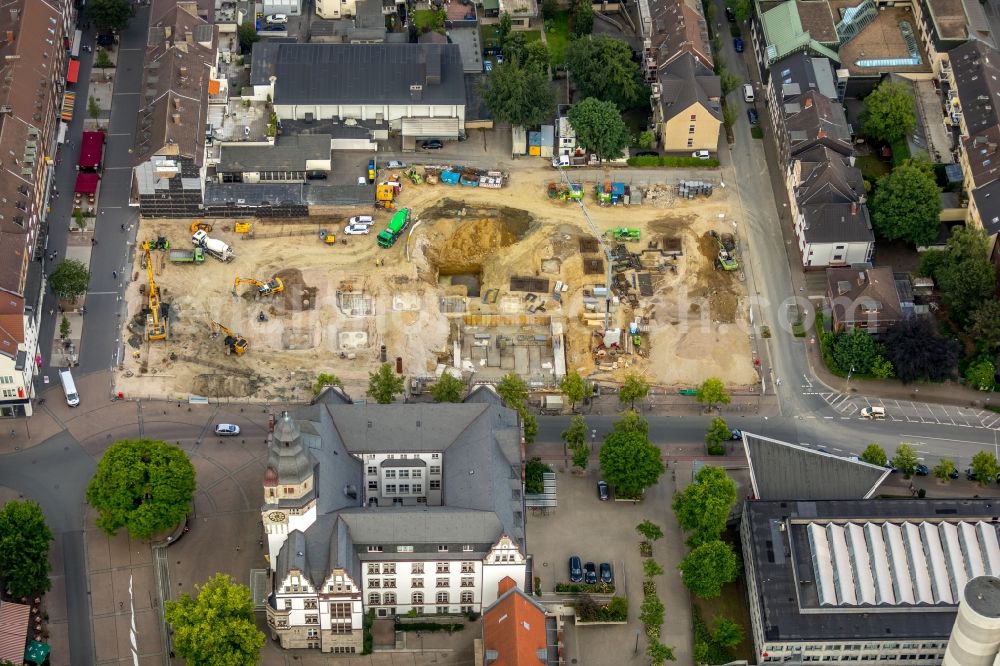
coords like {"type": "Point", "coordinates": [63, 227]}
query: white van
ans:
{"type": "Point", "coordinates": [874, 413]}
{"type": "Point", "coordinates": [748, 93]}
{"type": "Point", "coordinates": [69, 388]}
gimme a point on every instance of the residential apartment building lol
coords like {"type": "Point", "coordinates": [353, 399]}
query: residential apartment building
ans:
{"type": "Point", "coordinates": [781, 28]}
{"type": "Point", "coordinates": [518, 631]}
{"type": "Point", "coordinates": [390, 508]}
{"type": "Point", "coordinates": [862, 580]}
{"type": "Point", "coordinates": [794, 88]}
{"type": "Point", "coordinates": [180, 78]}
{"type": "Point", "coordinates": [863, 298]}
{"type": "Point", "coordinates": [686, 93]}
{"type": "Point", "coordinates": [946, 24]}
{"type": "Point", "coordinates": [32, 93]}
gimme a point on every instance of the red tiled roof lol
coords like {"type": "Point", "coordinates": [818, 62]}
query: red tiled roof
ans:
{"type": "Point", "coordinates": [514, 627]}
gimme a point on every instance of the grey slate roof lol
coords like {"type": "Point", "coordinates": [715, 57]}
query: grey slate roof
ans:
{"type": "Point", "coordinates": [976, 68]}
{"type": "Point", "coordinates": [686, 80]}
{"type": "Point", "coordinates": [806, 71]}
{"type": "Point", "coordinates": [815, 118]}
{"type": "Point", "coordinates": [289, 153]}
{"type": "Point", "coordinates": [401, 428]}
{"type": "Point", "coordinates": [361, 73]}
{"type": "Point", "coordinates": [778, 558]}
{"type": "Point", "coordinates": [830, 198]}
{"type": "Point", "coordinates": [987, 200]}
{"type": "Point", "coordinates": [784, 471]}
{"type": "Point", "coordinates": [409, 525]}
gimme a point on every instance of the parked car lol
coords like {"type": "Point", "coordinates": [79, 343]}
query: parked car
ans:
{"type": "Point", "coordinates": [487, 65]}
{"type": "Point", "coordinates": [922, 470]}
{"type": "Point", "coordinates": [876, 413]}
{"type": "Point", "coordinates": [277, 19]}
{"type": "Point", "coordinates": [357, 229]}
{"type": "Point", "coordinates": [575, 570]}
{"type": "Point", "coordinates": [602, 491]}
{"type": "Point", "coordinates": [738, 44]}
{"type": "Point", "coordinates": [730, 16]}
{"type": "Point", "coordinates": [396, 164]}
{"type": "Point", "coordinates": [361, 220]}
{"type": "Point", "coordinates": [589, 573]}
{"type": "Point", "coordinates": [752, 116]}
{"type": "Point", "coordinates": [954, 473]}
{"type": "Point", "coordinates": [227, 430]}
{"type": "Point", "coordinates": [702, 154]}
{"type": "Point", "coordinates": [432, 144]}
{"type": "Point", "coordinates": [606, 575]}
{"type": "Point", "coordinates": [736, 435]}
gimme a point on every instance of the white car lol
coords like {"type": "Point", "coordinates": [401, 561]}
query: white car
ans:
{"type": "Point", "coordinates": [701, 154]}
{"type": "Point", "coordinates": [396, 164]}
{"type": "Point", "coordinates": [227, 430]}
{"type": "Point", "coordinates": [361, 221]}
{"type": "Point", "coordinates": [276, 18]}
{"type": "Point", "coordinates": [357, 230]}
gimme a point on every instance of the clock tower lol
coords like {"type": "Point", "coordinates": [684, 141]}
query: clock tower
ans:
{"type": "Point", "coordinates": [289, 490]}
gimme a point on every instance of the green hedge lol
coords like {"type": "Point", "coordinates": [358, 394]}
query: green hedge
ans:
{"type": "Point", "coordinates": [756, 132]}
{"type": "Point", "coordinates": [430, 626]}
{"type": "Point", "coordinates": [585, 588]}
{"type": "Point", "coordinates": [672, 161]}
{"type": "Point", "coordinates": [588, 610]}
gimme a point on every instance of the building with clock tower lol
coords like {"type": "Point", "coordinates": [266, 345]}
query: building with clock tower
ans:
{"type": "Point", "coordinates": [390, 508]}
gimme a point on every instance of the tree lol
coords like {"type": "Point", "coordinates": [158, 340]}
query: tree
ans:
{"type": "Point", "coordinates": [718, 432]}
{"type": "Point", "coordinates": [581, 455]}
{"type": "Point", "coordinates": [649, 530]}
{"type": "Point", "coordinates": [246, 33]}
{"type": "Point", "coordinates": [217, 628]}
{"type": "Point", "coordinates": [882, 368]}
{"type": "Point", "coordinates": [906, 204]}
{"type": "Point", "coordinates": [384, 384]}
{"type": "Point", "coordinates": [708, 567]}
{"type": "Point", "coordinates": [727, 633]}
{"type": "Point", "coordinates": [599, 127]}
{"type": "Point", "coordinates": [985, 324]}
{"type": "Point", "coordinates": [981, 375]}
{"type": "Point", "coordinates": [573, 387]}
{"type": "Point", "coordinates": [143, 485]}
{"type": "Point", "coordinates": [703, 507]}
{"type": "Point", "coordinates": [102, 60]}
{"type": "Point", "coordinates": [537, 57]}
{"type": "Point", "coordinates": [631, 422]}
{"type": "Point", "coordinates": [905, 460]}
{"type": "Point", "coordinates": [728, 81]}
{"type": "Point", "coordinates": [513, 391]}
{"type": "Point", "coordinates": [325, 379]}
{"type": "Point", "coordinates": [651, 568]}
{"type": "Point", "coordinates": [575, 438]}
{"type": "Point", "coordinates": [963, 272]}
{"type": "Point", "coordinates": [741, 9]}
{"type": "Point", "coordinates": [712, 392]}
{"type": "Point", "coordinates": [69, 279]}
{"type": "Point", "coordinates": [916, 351]}
{"type": "Point", "coordinates": [634, 388]}
{"type": "Point", "coordinates": [64, 327]}
{"type": "Point", "coordinates": [24, 549]}
{"type": "Point", "coordinates": [550, 8]}
{"type": "Point", "coordinates": [504, 27]}
{"type": "Point", "coordinates": [944, 469]}
{"type": "Point", "coordinates": [631, 463]}
{"type": "Point", "coordinates": [93, 108]}
{"type": "Point", "coordinates": [875, 455]}
{"type": "Point", "coordinates": [519, 95]}
{"type": "Point", "coordinates": [581, 18]}
{"type": "Point", "coordinates": [530, 424]}
{"type": "Point", "coordinates": [985, 467]}
{"type": "Point", "coordinates": [855, 350]}
{"type": "Point", "coordinates": [108, 15]}
{"type": "Point", "coordinates": [889, 114]}
{"type": "Point", "coordinates": [602, 67]}
{"type": "Point", "coordinates": [659, 653]}
{"type": "Point", "coordinates": [448, 388]}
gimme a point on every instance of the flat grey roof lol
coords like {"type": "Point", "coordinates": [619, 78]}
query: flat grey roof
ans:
{"type": "Point", "coordinates": [289, 153]}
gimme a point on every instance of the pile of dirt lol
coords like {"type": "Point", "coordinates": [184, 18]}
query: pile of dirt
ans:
{"type": "Point", "coordinates": [717, 286]}
{"type": "Point", "coordinates": [471, 243]}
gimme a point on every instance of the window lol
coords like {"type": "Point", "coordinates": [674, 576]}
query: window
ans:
{"type": "Point", "coordinates": [435, 470]}
{"type": "Point", "coordinates": [435, 456]}
{"type": "Point", "coordinates": [374, 582]}
{"type": "Point", "coordinates": [468, 581]}
{"type": "Point", "coordinates": [289, 491]}
{"type": "Point", "coordinates": [417, 582]}
{"type": "Point", "coordinates": [468, 597]}
{"type": "Point", "coordinates": [467, 548]}
{"type": "Point", "coordinates": [372, 568]}
{"type": "Point", "coordinates": [442, 597]}
{"type": "Point", "coordinates": [373, 485]}
{"type": "Point", "coordinates": [418, 488]}
{"type": "Point", "coordinates": [389, 568]}
{"type": "Point", "coordinates": [418, 473]}
{"type": "Point", "coordinates": [390, 488]}
{"type": "Point", "coordinates": [690, 143]}
{"type": "Point", "coordinates": [443, 567]}
{"type": "Point", "coordinates": [374, 598]}
{"type": "Point", "coordinates": [389, 582]}
{"type": "Point", "coordinates": [694, 117]}
{"type": "Point", "coordinates": [417, 568]}
{"type": "Point", "coordinates": [441, 582]}
{"type": "Point", "coordinates": [374, 549]}
{"type": "Point", "coordinates": [404, 488]}
{"type": "Point", "coordinates": [390, 474]}
{"type": "Point", "coordinates": [434, 484]}
{"type": "Point", "coordinates": [372, 469]}
{"type": "Point", "coordinates": [468, 567]}
{"type": "Point", "coordinates": [288, 604]}
{"type": "Point", "coordinates": [404, 549]}
{"type": "Point", "coordinates": [417, 598]}
{"type": "Point", "coordinates": [404, 473]}
{"type": "Point", "coordinates": [281, 623]}
{"type": "Point", "coordinates": [690, 129]}
{"type": "Point", "coordinates": [340, 610]}
{"type": "Point", "coordinates": [312, 619]}
{"type": "Point", "coordinates": [443, 549]}
{"type": "Point", "coordinates": [312, 632]}
{"type": "Point", "coordinates": [389, 598]}
{"type": "Point", "coordinates": [309, 604]}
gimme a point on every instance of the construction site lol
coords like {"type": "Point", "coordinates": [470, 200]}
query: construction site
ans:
{"type": "Point", "coordinates": [444, 278]}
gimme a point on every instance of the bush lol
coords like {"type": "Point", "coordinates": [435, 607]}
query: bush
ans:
{"type": "Point", "coordinates": [676, 161]}
{"type": "Point", "coordinates": [799, 329]}
{"type": "Point", "coordinates": [648, 587]}
{"type": "Point", "coordinates": [651, 612]}
{"type": "Point", "coordinates": [588, 610]}
{"type": "Point", "coordinates": [430, 626]}
{"type": "Point", "coordinates": [757, 132]}
{"type": "Point", "coordinates": [533, 472]}
{"type": "Point", "coordinates": [650, 530]}
{"type": "Point", "coordinates": [366, 630]}
{"type": "Point", "coordinates": [585, 588]}
{"type": "Point", "coordinates": [651, 568]}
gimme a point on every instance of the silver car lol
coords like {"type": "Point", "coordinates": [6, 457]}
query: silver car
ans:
{"type": "Point", "coordinates": [227, 430]}
{"type": "Point", "coordinates": [396, 164]}
{"type": "Point", "coordinates": [357, 229]}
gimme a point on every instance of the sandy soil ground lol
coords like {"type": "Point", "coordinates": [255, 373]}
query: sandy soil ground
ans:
{"type": "Point", "coordinates": [343, 302]}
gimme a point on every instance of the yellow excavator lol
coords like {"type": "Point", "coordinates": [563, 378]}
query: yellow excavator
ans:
{"type": "Point", "coordinates": [235, 343]}
{"type": "Point", "coordinates": [156, 329]}
{"type": "Point", "coordinates": [272, 286]}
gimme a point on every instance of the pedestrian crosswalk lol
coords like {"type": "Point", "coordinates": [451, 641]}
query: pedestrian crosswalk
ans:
{"type": "Point", "coordinates": [847, 406]}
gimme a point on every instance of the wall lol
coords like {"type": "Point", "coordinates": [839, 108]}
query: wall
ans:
{"type": "Point", "coordinates": [818, 255]}
{"type": "Point", "coordinates": [379, 112]}
{"type": "Point", "coordinates": [678, 137]}
{"type": "Point", "coordinates": [335, 9]}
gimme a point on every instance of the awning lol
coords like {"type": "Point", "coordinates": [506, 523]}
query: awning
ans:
{"type": "Point", "coordinates": [13, 630]}
{"type": "Point", "coordinates": [431, 128]}
{"type": "Point", "coordinates": [69, 101]}
{"type": "Point", "coordinates": [86, 182]}
{"type": "Point", "coordinates": [73, 73]}
{"type": "Point", "coordinates": [91, 150]}
{"type": "Point", "coordinates": [37, 652]}
{"type": "Point", "coordinates": [61, 136]}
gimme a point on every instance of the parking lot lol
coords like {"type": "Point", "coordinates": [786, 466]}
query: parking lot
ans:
{"type": "Point", "coordinates": [905, 411]}
{"type": "Point", "coordinates": [598, 532]}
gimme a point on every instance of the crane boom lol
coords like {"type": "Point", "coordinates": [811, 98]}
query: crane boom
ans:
{"type": "Point", "coordinates": [155, 329]}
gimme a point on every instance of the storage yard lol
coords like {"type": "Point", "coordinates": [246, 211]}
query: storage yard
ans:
{"type": "Point", "coordinates": [485, 279]}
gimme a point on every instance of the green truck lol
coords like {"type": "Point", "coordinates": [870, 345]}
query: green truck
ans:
{"type": "Point", "coordinates": [398, 223]}
{"type": "Point", "coordinates": [193, 256]}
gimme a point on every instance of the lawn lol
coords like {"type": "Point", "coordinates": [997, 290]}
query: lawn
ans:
{"type": "Point", "coordinates": [426, 20]}
{"type": "Point", "coordinates": [871, 167]}
{"type": "Point", "coordinates": [557, 36]}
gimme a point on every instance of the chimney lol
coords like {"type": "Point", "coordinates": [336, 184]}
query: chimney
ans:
{"type": "Point", "coordinates": [854, 208]}
{"type": "Point", "coordinates": [176, 118]}
{"type": "Point", "coordinates": [807, 104]}
{"type": "Point", "coordinates": [861, 278]}
{"type": "Point", "coordinates": [416, 92]}
{"type": "Point", "coordinates": [10, 35]}
{"type": "Point", "coordinates": [272, 79]}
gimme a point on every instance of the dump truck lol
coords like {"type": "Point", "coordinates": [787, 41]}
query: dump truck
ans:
{"type": "Point", "coordinates": [385, 195]}
{"type": "Point", "coordinates": [387, 237]}
{"type": "Point", "coordinates": [194, 256]}
{"type": "Point", "coordinates": [213, 246]}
